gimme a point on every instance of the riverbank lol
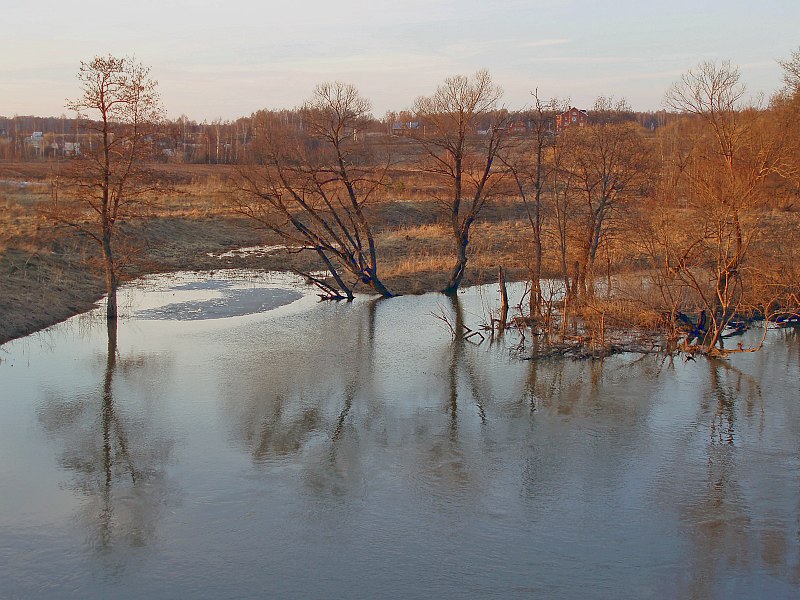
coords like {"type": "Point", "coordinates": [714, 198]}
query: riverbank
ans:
{"type": "Point", "coordinates": [51, 275]}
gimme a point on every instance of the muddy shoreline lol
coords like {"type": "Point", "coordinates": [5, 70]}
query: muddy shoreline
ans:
{"type": "Point", "coordinates": [55, 275]}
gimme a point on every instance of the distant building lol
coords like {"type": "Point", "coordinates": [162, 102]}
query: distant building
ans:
{"type": "Point", "coordinates": [36, 140]}
{"type": "Point", "coordinates": [405, 127]}
{"type": "Point", "coordinates": [516, 128]}
{"type": "Point", "coordinates": [571, 118]}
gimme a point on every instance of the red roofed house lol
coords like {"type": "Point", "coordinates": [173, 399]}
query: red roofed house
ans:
{"type": "Point", "coordinates": [571, 117]}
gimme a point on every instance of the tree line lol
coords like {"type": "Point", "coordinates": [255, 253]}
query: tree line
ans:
{"type": "Point", "coordinates": [183, 140]}
{"type": "Point", "coordinates": [693, 201]}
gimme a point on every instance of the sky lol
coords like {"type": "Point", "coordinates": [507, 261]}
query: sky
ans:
{"type": "Point", "coordinates": [224, 59]}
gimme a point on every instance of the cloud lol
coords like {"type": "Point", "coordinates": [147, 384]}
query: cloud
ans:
{"type": "Point", "coordinates": [542, 43]}
{"type": "Point", "coordinates": [587, 60]}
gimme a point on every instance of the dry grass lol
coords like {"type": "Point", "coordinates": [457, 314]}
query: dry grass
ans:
{"type": "Point", "coordinates": [624, 313]}
{"type": "Point", "coordinates": [47, 273]}
{"type": "Point", "coordinates": [19, 217]}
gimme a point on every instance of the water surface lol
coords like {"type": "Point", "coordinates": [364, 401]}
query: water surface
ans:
{"type": "Point", "coordinates": [235, 438]}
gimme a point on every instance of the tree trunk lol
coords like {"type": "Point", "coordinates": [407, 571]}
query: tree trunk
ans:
{"type": "Point", "coordinates": [335, 274]}
{"type": "Point", "coordinates": [536, 276]}
{"type": "Point", "coordinates": [457, 274]}
{"type": "Point", "coordinates": [378, 285]}
{"type": "Point", "coordinates": [111, 279]}
{"type": "Point", "coordinates": [503, 299]}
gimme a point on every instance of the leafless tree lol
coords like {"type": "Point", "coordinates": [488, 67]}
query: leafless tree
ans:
{"type": "Point", "coordinates": [607, 110]}
{"type": "Point", "coordinates": [119, 105]}
{"type": "Point", "coordinates": [463, 130]}
{"type": "Point", "coordinates": [606, 166]}
{"type": "Point", "coordinates": [529, 160]}
{"type": "Point", "coordinates": [791, 73]}
{"type": "Point", "coordinates": [735, 150]}
{"type": "Point", "coordinates": [311, 187]}
{"type": "Point", "coordinates": [786, 106]}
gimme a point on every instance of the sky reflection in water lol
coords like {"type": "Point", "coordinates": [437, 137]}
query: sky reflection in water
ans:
{"type": "Point", "coordinates": [354, 450]}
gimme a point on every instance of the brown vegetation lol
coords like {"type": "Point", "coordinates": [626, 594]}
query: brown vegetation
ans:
{"type": "Point", "coordinates": [631, 238]}
{"type": "Point", "coordinates": [48, 274]}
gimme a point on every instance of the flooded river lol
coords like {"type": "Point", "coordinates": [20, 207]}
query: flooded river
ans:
{"type": "Point", "coordinates": [234, 438]}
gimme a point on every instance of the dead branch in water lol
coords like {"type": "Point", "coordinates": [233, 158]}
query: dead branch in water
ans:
{"type": "Point", "coordinates": [457, 331]}
{"type": "Point", "coordinates": [328, 292]}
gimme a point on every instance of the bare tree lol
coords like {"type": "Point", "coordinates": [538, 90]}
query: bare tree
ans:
{"type": "Point", "coordinates": [529, 160]}
{"type": "Point", "coordinates": [462, 134]}
{"type": "Point", "coordinates": [310, 186]}
{"type": "Point", "coordinates": [735, 151]}
{"type": "Point", "coordinates": [607, 110]}
{"type": "Point", "coordinates": [562, 203]}
{"type": "Point", "coordinates": [119, 105]}
{"type": "Point", "coordinates": [606, 165]}
{"type": "Point", "coordinates": [791, 73]}
{"type": "Point", "coordinates": [786, 106]}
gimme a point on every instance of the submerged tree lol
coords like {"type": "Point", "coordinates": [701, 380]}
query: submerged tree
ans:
{"type": "Point", "coordinates": [710, 247]}
{"type": "Point", "coordinates": [119, 106]}
{"type": "Point", "coordinates": [463, 133]}
{"type": "Point", "coordinates": [529, 161]}
{"type": "Point", "coordinates": [310, 186]}
{"type": "Point", "coordinates": [605, 165]}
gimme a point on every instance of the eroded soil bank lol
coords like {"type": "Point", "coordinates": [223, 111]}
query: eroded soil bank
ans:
{"type": "Point", "coordinates": [52, 276]}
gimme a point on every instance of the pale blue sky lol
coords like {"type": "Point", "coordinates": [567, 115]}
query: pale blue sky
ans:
{"type": "Point", "coordinates": [228, 58]}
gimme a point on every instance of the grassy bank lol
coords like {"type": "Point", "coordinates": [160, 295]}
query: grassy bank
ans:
{"type": "Point", "coordinates": [50, 273]}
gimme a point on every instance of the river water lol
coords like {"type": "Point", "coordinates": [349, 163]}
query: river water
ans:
{"type": "Point", "coordinates": [234, 438]}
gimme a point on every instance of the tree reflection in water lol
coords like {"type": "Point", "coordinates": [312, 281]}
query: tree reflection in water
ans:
{"type": "Point", "coordinates": [342, 406]}
{"type": "Point", "coordinates": [728, 529]}
{"type": "Point", "coordinates": [328, 389]}
{"type": "Point", "coordinates": [725, 397]}
{"type": "Point", "coordinates": [115, 457]}
{"type": "Point", "coordinates": [460, 361]}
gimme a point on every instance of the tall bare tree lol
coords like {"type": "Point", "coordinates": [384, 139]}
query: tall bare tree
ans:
{"type": "Point", "coordinates": [118, 107]}
{"type": "Point", "coordinates": [529, 160]}
{"type": "Point", "coordinates": [463, 132]}
{"type": "Point", "coordinates": [786, 106]}
{"type": "Point", "coordinates": [791, 72]}
{"type": "Point", "coordinates": [311, 187]}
